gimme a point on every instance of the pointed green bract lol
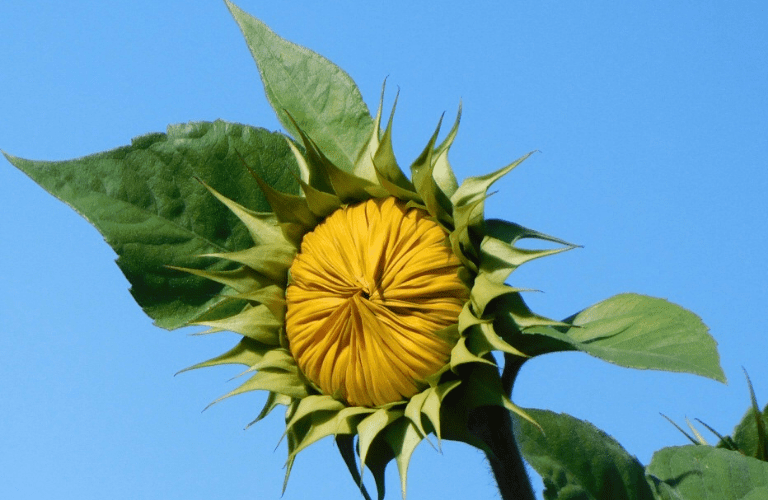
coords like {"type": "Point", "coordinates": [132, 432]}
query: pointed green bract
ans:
{"type": "Point", "coordinates": [321, 97]}
{"type": "Point", "coordinates": [146, 202]}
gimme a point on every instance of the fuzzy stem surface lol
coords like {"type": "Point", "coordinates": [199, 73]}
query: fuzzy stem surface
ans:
{"type": "Point", "coordinates": [493, 425]}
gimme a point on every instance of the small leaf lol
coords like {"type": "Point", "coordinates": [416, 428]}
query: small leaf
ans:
{"type": "Point", "coordinates": [145, 200]}
{"type": "Point", "coordinates": [637, 331]}
{"type": "Point", "coordinates": [321, 97]}
{"type": "Point", "coordinates": [697, 472]}
{"type": "Point", "coordinates": [578, 460]}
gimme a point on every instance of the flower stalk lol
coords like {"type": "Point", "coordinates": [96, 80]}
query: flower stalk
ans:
{"type": "Point", "coordinates": [494, 426]}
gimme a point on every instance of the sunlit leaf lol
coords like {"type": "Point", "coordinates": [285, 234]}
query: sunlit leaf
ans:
{"type": "Point", "coordinates": [636, 331]}
{"type": "Point", "coordinates": [147, 203]}
{"type": "Point", "coordinates": [320, 96]}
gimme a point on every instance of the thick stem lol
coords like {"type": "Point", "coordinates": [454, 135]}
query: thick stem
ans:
{"type": "Point", "coordinates": [493, 425]}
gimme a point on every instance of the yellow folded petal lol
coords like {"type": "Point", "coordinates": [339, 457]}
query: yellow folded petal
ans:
{"type": "Point", "coordinates": [369, 289]}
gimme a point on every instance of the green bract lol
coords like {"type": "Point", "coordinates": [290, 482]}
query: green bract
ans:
{"type": "Point", "coordinates": [485, 248]}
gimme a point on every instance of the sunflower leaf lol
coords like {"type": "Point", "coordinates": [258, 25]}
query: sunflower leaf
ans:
{"type": "Point", "coordinates": [577, 460]}
{"type": "Point", "coordinates": [746, 435]}
{"type": "Point", "coordinates": [320, 96]}
{"type": "Point", "coordinates": [146, 202]}
{"type": "Point", "coordinates": [635, 331]}
{"type": "Point", "coordinates": [693, 472]}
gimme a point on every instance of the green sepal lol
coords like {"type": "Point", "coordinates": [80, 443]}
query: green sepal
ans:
{"type": "Point", "coordinates": [270, 260]}
{"type": "Point", "coordinates": [321, 204]}
{"type": "Point", "coordinates": [370, 427]}
{"type": "Point", "coordinates": [272, 296]}
{"type": "Point", "coordinates": [465, 239]}
{"type": "Point", "coordinates": [422, 177]}
{"type": "Point", "coordinates": [442, 171]}
{"type": "Point", "coordinates": [312, 404]}
{"type": "Point", "coordinates": [485, 290]}
{"type": "Point", "coordinates": [396, 190]}
{"type": "Point", "coordinates": [403, 437]}
{"type": "Point", "coordinates": [257, 323]}
{"type": "Point", "coordinates": [449, 334]}
{"type": "Point", "coordinates": [310, 172]}
{"type": "Point", "coordinates": [241, 279]}
{"type": "Point", "coordinates": [348, 187]}
{"type": "Point", "coordinates": [321, 424]}
{"type": "Point", "coordinates": [288, 208]}
{"type": "Point", "coordinates": [482, 339]}
{"type": "Point", "coordinates": [513, 315]}
{"type": "Point", "coordinates": [475, 188]}
{"type": "Point", "coordinates": [346, 445]}
{"type": "Point", "coordinates": [364, 165]}
{"type": "Point", "coordinates": [379, 456]}
{"type": "Point", "coordinates": [433, 402]}
{"type": "Point", "coordinates": [461, 355]}
{"type": "Point", "coordinates": [469, 214]}
{"type": "Point", "coordinates": [499, 256]}
{"type": "Point", "coordinates": [262, 226]}
{"type": "Point", "coordinates": [385, 162]}
{"type": "Point", "coordinates": [247, 352]}
{"type": "Point", "coordinates": [277, 359]}
{"type": "Point", "coordinates": [273, 401]}
{"type": "Point", "coordinates": [413, 413]}
{"type": "Point", "coordinates": [283, 382]}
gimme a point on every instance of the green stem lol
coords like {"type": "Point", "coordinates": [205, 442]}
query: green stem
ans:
{"type": "Point", "coordinates": [493, 425]}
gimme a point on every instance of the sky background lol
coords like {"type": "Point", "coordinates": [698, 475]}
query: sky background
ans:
{"type": "Point", "coordinates": [652, 123]}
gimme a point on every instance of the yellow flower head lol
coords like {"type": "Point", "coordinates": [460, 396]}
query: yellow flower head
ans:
{"type": "Point", "coordinates": [370, 291]}
{"type": "Point", "coordinates": [369, 304]}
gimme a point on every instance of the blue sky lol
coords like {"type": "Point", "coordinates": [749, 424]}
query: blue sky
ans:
{"type": "Point", "coordinates": [651, 119]}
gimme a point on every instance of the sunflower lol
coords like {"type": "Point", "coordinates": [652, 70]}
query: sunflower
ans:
{"type": "Point", "coordinates": [374, 301]}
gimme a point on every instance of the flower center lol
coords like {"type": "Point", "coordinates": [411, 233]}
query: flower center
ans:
{"type": "Point", "coordinates": [370, 292]}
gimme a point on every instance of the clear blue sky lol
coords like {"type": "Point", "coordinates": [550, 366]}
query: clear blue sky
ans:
{"type": "Point", "coordinates": [652, 122]}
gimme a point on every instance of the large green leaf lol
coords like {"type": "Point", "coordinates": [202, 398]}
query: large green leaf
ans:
{"type": "Point", "coordinates": [704, 472]}
{"type": "Point", "coordinates": [635, 331]}
{"type": "Point", "coordinates": [145, 200]}
{"type": "Point", "coordinates": [579, 461]}
{"type": "Point", "coordinates": [323, 100]}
